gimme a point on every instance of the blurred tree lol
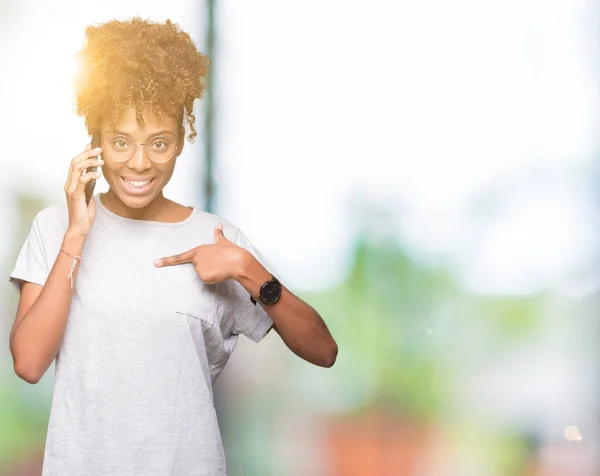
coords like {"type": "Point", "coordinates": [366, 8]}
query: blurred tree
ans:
{"type": "Point", "coordinates": [23, 415]}
{"type": "Point", "coordinates": [395, 319]}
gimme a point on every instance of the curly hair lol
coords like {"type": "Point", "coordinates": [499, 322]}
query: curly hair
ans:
{"type": "Point", "coordinates": [140, 64]}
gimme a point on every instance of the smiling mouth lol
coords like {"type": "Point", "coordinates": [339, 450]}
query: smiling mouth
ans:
{"type": "Point", "coordinates": [137, 185]}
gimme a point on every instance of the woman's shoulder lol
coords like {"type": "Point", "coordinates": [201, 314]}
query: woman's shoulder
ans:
{"type": "Point", "coordinates": [49, 226]}
{"type": "Point", "coordinates": [53, 217]}
{"type": "Point", "coordinates": [208, 221]}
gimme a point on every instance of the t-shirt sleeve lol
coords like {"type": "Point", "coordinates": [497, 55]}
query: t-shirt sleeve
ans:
{"type": "Point", "coordinates": [250, 319]}
{"type": "Point", "coordinates": [31, 264]}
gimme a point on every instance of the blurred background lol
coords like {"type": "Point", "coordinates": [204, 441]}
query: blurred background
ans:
{"type": "Point", "coordinates": [431, 173]}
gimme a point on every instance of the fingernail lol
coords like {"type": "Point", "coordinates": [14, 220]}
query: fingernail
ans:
{"type": "Point", "coordinates": [220, 226]}
{"type": "Point", "coordinates": [157, 262]}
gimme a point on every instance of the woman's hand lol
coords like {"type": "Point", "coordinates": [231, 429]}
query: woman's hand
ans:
{"type": "Point", "coordinates": [214, 263]}
{"type": "Point", "coordinates": [81, 215]}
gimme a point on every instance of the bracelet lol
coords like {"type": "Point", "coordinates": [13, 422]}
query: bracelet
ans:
{"type": "Point", "coordinates": [75, 258]}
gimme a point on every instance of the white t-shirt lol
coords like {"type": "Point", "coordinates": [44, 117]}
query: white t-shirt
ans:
{"type": "Point", "coordinates": [142, 346]}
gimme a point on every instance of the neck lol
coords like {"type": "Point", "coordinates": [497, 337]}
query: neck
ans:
{"type": "Point", "coordinates": [150, 212]}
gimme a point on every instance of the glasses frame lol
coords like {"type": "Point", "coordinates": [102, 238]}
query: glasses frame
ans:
{"type": "Point", "coordinates": [145, 152]}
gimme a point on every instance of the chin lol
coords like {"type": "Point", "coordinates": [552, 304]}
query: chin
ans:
{"type": "Point", "coordinates": [137, 198]}
{"type": "Point", "coordinates": [135, 202]}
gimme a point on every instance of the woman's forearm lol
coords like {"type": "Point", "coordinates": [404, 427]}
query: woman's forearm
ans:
{"type": "Point", "coordinates": [300, 326]}
{"type": "Point", "coordinates": [38, 331]}
{"type": "Point", "coordinates": [303, 330]}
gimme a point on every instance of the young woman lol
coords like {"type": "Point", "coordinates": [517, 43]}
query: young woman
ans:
{"type": "Point", "coordinates": [140, 299]}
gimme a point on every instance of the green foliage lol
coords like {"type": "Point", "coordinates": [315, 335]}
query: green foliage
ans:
{"type": "Point", "coordinates": [393, 320]}
{"type": "Point", "coordinates": [23, 426]}
{"type": "Point", "coordinates": [381, 316]}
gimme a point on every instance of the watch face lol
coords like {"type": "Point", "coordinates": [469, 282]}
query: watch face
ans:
{"type": "Point", "coordinates": [270, 292]}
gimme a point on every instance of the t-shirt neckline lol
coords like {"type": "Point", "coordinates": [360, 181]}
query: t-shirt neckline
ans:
{"type": "Point", "coordinates": [100, 206]}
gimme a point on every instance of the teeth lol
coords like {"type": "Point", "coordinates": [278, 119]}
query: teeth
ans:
{"type": "Point", "coordinates": [137, 184]}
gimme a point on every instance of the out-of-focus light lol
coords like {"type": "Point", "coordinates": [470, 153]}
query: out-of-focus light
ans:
{"type": "Point", "coordinates": [572, 433]}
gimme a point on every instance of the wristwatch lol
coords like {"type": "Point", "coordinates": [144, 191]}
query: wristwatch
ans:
{"type": "Point", "coordinates": [270, 292]}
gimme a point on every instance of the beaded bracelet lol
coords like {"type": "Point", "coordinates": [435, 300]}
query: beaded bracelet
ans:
{"type": "Point", "coordinates": [75, 258]}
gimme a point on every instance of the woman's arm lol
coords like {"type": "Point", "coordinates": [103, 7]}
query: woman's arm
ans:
{"type": "Point", "coordinates": [43, 311]}
{"type": "Point", "coordinates": [299, 325]}
{"type": "Point", "coordinates": [42, 315]}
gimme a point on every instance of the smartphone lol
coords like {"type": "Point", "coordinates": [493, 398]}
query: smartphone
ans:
{"type": "Point", "coordinates": [89, 187]}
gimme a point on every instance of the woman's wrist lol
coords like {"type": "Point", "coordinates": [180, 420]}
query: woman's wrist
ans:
{"type": "Point", "coordinates": [73, 241]}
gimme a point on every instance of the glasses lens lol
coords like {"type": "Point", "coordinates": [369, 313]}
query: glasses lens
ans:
{"type": "Point", "coordinates": [161, 149]}
{"type": "Point", "coordinates": [158, 150]}
{"type": "Point", "coordinates": [119, 150]}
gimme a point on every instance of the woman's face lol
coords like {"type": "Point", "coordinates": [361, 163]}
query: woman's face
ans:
{"type": "Point", "coordinates": [139, 160]}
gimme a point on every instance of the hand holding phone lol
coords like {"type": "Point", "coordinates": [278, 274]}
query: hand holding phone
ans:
{"type": "Point", "coordinates": [82, 213]}
{"type": "Point", "coordinates": [89, 187]}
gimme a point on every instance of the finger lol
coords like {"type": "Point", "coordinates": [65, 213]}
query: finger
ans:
{"type": "Point", "coordinates": [78, 191]}
{"type": "Point", "coordinates": [219, 233]}
{"type": "Point", "coordinates": [86, 154]}
{"type": "Point", "coordinates": [181, 258]}
{"type": "Point", "coordinates": [76, 171]}
{"type": "Point", "coordinates": [77, 188]}
{"type": "Point", "coordinates": [87, 177]}
{"type": "Point", "coordinates": [84, 164]}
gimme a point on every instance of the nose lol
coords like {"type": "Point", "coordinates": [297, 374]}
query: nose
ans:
{"type": "Point", "coordinates": [139, 161]}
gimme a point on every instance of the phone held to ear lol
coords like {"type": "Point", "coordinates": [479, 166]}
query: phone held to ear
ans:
{"type": "Point", "coordinates": [89, 187]}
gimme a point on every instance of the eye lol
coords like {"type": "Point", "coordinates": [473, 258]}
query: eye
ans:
{"type": "Point", "coordinates": [120, 144]}
{"type": "Point", "coordinates": [160, 145]}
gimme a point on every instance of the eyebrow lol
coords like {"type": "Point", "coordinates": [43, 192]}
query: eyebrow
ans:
{"type": "Point", "coordinates": [123, 133]}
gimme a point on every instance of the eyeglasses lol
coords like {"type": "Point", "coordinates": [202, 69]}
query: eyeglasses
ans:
{"type": "Point", "coordinates": [159, 150]}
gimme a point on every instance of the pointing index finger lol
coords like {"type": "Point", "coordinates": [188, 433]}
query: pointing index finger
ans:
{"type": "Point", "coordinates": [181, 258]}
